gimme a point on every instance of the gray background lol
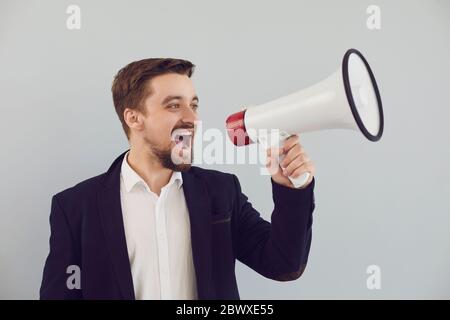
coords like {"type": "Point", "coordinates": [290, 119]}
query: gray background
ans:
{"type": "Point", "coordinates": [380, 203]}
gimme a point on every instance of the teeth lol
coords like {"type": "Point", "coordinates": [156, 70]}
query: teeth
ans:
{"type": "Point", "coordinates": [181, 132]}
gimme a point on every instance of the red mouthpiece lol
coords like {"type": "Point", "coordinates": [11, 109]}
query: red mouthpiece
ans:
{"type": "Point", "coordinates": [236, 129]}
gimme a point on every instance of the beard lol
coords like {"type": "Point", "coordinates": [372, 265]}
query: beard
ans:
{"type": "Point", "coordinates": [164, 157]}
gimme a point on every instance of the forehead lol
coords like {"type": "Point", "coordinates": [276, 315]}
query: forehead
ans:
{"type": "Point", "coordinates": [171, 84]}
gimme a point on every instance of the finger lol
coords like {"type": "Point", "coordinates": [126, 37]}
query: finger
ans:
{"type": "Point", "coordinates": [296, 163]}
{"type": "Point", "coordinates": [272, 166]}
{"type": "Point", "coordinates": [298, 147]}
{"type": "Point", "coordinates": [291, 141]}
{"type": "Point", "coordinates": [306, 167]}
{"type": "Point", "coordinates": [291, 155]}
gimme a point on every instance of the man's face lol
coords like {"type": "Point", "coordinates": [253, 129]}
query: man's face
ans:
{"type": "Point", "coordinates": [171, 106]}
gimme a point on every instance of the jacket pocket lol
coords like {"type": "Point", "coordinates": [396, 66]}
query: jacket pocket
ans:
{"type": "Point", "coordinates": [221, 217]}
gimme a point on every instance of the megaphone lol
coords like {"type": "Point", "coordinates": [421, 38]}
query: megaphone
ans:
{"type": "Point", "coordinates": [347, 99]}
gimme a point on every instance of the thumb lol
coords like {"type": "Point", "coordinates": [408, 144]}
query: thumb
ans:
{"type": "Point", "coordinates": [272, 163]}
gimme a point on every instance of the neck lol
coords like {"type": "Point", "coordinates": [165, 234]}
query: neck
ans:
{"type": "Point", "coordinates": [149, 168]}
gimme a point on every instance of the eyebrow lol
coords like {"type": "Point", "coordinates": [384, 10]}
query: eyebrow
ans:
{"type": "Point", "coordinates": [171, 97]}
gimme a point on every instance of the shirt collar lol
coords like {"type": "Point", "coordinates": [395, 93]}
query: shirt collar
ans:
{"type": "Point", "coordinates": [131, 178]}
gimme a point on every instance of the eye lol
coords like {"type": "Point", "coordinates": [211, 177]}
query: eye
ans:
{"type": "Point", "coordinates": [195, 106]}
{"type": "Point", "coordinates": [173, 106]}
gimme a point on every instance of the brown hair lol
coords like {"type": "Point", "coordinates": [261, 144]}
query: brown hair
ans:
{"type": "Point", "coordinates": [129, 87]}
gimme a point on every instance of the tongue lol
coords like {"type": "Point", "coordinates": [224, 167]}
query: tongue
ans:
{"type": "Point", "coordinates": [185, 141]}
{"type": "Point", "coordinates": [182, 139]}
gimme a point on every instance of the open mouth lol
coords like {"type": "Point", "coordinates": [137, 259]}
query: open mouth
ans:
{"type": "Point", "coordinates": [182, 138]}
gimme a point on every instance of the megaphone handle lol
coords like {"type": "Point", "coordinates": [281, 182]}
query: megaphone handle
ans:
{"type": "Point", "coordinates": [280, 137]}
{"type": "Point", "coordinates": [300, 180]}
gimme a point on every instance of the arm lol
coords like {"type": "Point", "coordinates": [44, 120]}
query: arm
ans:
{"type": "Point", "coordinates": [277, 250]}
{"type": "Point", "coordinates": [62, 255]}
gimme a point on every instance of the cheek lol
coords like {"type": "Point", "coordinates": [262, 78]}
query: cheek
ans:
{"type": "Point", "coordinates": [159, 127]}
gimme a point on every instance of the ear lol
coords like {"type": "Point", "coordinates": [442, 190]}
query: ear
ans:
{"type": "Point", "coordinates": [134, 119]}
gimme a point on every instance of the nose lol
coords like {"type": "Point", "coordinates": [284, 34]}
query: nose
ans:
{"type": "Point", "coordinates": [189, 115]}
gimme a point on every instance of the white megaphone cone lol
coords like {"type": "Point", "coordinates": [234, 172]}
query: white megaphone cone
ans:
{"type": "Point", "coordinates": [348, 99]}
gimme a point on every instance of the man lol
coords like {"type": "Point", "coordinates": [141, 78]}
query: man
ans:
{"type": "Point", "coordinates": [153, 227]}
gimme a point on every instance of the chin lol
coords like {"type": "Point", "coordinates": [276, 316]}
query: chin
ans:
{"type": "Point", "coordinates": [168, 163]}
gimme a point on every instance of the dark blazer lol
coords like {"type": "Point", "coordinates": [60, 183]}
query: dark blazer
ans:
{"type": "Point", "coordinates": [87, 230]}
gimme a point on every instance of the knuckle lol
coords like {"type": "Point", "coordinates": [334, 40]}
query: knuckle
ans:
{"type": "Point", "coordinates": [292, 169]}
{"type": "Point", "coordinates": [302, 159]}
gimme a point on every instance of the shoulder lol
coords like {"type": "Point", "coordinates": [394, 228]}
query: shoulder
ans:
{"type": "Point", "coordinates": [82, 190]}
{"type": "Point", "coordinates": [77, 202]}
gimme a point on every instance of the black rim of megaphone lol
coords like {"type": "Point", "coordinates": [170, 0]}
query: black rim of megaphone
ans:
{"type": "Point", "coordinates": [348, 92]}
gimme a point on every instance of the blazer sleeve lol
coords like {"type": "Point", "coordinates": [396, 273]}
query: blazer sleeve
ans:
{"type": "Point", "coordinates": [62, 255]}
{"type": "Point", "coordinates": [278, 249]}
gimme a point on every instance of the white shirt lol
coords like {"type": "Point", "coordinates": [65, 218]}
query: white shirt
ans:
{"type": "Point", "coordinates": [158, 237]}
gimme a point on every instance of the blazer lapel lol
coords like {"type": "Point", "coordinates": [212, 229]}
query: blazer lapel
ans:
{"type": "Point", "coordinates": [199, 207]}
{"type": "Point", "coordinates": [110, 210]}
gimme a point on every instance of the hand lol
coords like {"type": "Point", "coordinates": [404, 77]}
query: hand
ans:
{"type": "Point", "coordinates": [295, 163]}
